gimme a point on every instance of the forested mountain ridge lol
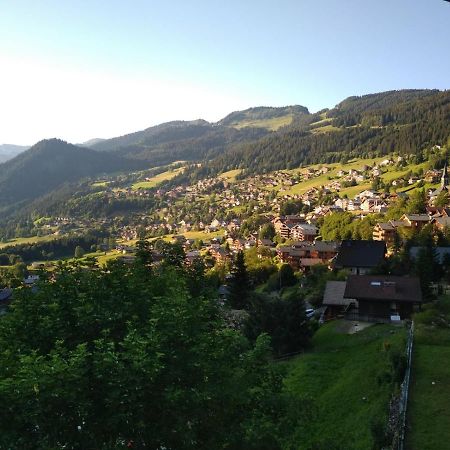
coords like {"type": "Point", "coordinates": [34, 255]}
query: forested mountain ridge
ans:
{"type": "Point", "coordinates": [178, 140]}
{"type": "Point", "coordinates": [368, 126]}
{"type": "Point", "coordinates": [373, 125]}
{"type": "Point", "coordinates": [49, 164]}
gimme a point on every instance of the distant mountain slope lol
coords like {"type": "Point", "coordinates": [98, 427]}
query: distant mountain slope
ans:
{"type": "Point", "coordinates": [401, 107]}
{"type": "Point", "coordinates": [374, 125]}
{"type": "Point", "coordinates": [47, 165]}
{"type": "Point", "coordinates": [159, 134]}
{"type": "Point", "coordinates": [271, 118]}
{"type": "Point", "coordinates": [179, 140]}
{"type": "Point", "coordinates": [91, 142]}
{"type": "Point", "coordinates": [8, 151]}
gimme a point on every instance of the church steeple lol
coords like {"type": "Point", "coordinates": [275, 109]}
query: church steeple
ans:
{"type": "Point", "coordinates": [444, 177]}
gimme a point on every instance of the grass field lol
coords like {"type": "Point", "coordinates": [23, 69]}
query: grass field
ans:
{"type": "Point", "coordinates": [230, 175]}
{"type": "Point", "coordinates": [271, 124]}
{"type": "Point", "coordinates": [28, 240]}
{"type": "Point", "coordinates": [428, 409]}
{"type": "Point", "coordinates": [325, 129]}
{"type": "Point", "coordinates": [100, 184]}
{"type": "Point", "coordinates": [342, 377]}
{"type": "Point", "coordinates": [157, 179]}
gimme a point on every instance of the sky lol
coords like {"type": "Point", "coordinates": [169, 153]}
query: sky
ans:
{"type": "Point", "coordinates": [85, 69]}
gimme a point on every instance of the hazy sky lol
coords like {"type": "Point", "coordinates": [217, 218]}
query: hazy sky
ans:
{"type": "Point", "coordinates": [82, 69]}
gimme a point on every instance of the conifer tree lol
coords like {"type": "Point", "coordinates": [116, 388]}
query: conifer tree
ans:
{"type": "Point", "coordinates": [239, 288]}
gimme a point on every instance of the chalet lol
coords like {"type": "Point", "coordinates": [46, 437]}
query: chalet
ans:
{"type": "Point", "coordinates": [360, 256]}
{"type": "Point", "coordinates": [303, 255]}
{"type": "Point", "coordinates": [432, 176]}
{"type": "Point", "coordinates": [334, 301]}
{"type": "Point", "coordinates": [284, 224]}
{"type": "Point", "coordinates": [384, 298]}
{"type": "Point", "coordinates": [304, 232]}
{"type": "Point", "coordinates": [220, 254]}
{"type": "Point", "coordinates": [441, 223]}
{"type": "Point", "coordinates": [368, 193]}
{"type": "Point", "coordinates": [384, 231]}
{"type": "Point", "coordinates": [265, 243]}
{"type": "Point", "coordinates": [192, 256]}
{"type": "Point", "coordinates": [416, 221]}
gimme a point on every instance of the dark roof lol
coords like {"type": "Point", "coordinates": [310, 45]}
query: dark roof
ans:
{"type": "Point", "coordinates": [375, 287]}
{"type": "Point", "coordinates": [360, 254]}
{"type": "Point", "coordinates": [334, 294]}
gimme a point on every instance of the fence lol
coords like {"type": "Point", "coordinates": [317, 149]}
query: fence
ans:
{"type": "Point", "coordinates": [399, 433]}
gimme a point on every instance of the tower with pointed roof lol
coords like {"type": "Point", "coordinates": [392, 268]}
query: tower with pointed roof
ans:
{"type": "Point", "coordinates": [444, 177]}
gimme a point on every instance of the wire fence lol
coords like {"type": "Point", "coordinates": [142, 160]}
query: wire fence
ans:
{"type": "Point", "coordinates": [402, 402]}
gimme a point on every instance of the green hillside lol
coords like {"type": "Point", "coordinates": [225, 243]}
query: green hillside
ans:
{"type": "Point", "coordinates": [49, 164]}
{"type": "Point", "coordinates": [345, 378]}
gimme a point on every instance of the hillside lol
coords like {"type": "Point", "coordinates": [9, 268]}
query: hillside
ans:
{"type": "Point", "coordinates": [49, 164]}
{"type": "Point", "coordinates": [264, 117]}
{"type": "Point", "coordinates": [179, 140]}
{"type": "Point", "coordinates": [371, 126]}
{"type": "Point", "coordinates": [368, 126]}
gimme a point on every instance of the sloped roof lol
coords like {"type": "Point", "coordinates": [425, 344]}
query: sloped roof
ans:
{"type": "Point", "coordinates": [386, 226]}
{"type": "Point", "coordinates": [334, 294]}
{"type": "Point", "coordinates": [360, 254]}
{"type": "Point", "coordinates": [383, 288]}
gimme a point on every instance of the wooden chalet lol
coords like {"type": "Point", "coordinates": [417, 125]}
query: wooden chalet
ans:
{"type": "Point", "coordinates": [383, 298]}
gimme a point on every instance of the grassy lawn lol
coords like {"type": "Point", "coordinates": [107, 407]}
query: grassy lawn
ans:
{"type": "Point", "coordinates": [341, 375]}
{"type": "Point", "coordinates": [428, 407]}
{"type": "Point", "coordinates": [157, 179]}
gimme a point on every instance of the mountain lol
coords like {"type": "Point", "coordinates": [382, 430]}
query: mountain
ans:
{"type": "Point", "coordinates": [406, 122]}
{"type": "Point", "coordinates": [372, 125]}
{"type": "Point", "coordinates": [8, 151]}
{"type": "Point", "coordinates": [91, 142]}
{"type": "Point", "coordinates": [178, 140]}
{"type": "Point", "coordinates": [264, 117]}
{"type": "Point", "coordinates": [49, 164]}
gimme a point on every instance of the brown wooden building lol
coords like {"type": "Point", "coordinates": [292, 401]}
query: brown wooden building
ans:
{"type": "Point", "coordinates": [384, 297]}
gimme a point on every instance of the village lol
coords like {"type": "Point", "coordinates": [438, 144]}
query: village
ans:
{"type": "Point", "coordinates": [280, 219]}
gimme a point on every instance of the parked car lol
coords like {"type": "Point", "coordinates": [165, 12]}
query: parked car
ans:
{"type": "Point", "coordinates": [310, 313]}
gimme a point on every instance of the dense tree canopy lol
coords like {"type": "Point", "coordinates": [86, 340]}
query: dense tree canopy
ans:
{"type": "Point", "coordinates": [129, 357]}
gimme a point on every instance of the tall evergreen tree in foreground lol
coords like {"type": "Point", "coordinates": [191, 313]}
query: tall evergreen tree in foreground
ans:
{"type": "Point", "coordinates": [239, 289]}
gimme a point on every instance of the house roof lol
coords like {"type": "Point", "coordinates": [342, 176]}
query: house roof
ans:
{"type": "Point", "coordinates": [385, 226]}
{"type": "Point", "coordinates": [443, 221]}
{"type": "Point", "coordinates": [360, 253]}
{"type": "Point", "coordinates": [326, 246]}
{"type": "Point", "coordinates": [334, 294]}
{"type": "Point", "coordinates": [383, 288]}
{"type": "Point", "coordinates": [416, 217]}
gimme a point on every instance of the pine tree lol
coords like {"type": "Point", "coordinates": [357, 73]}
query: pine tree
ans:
{"type": "Point", "coordinates": [239, 288]}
